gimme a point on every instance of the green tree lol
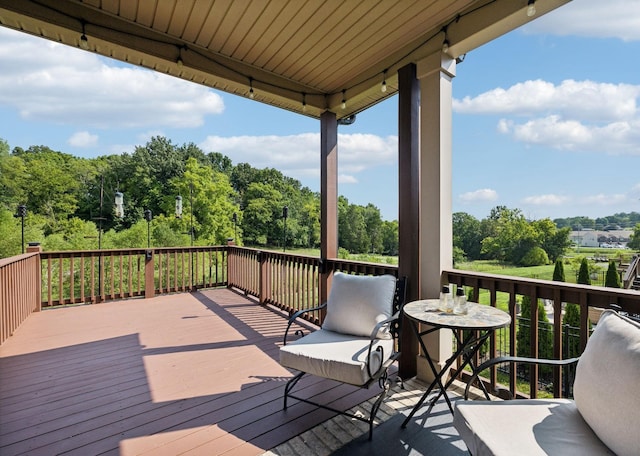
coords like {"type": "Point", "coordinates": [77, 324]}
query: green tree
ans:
{"type": "Point", "coordinates": [545, 334]}
{"type": "Point", "coordinates": [390, 237]}
{"type": "Point", "coordinates": [552, 240]}
{"type": "Point", "coordinates": [634, 242]}
{"type": "Point", "coordinates": [467, 234]}
{"type": "Point", "coordinates": [571, 319]}
{"type": "Point", "coordinates": [558, 271]}
{"type": "Point", "coordinates": [583, 273]}
{"type": "Point", "coordinates": [535, 257]}
{"type": "Point", "coordinates": [613, 278]}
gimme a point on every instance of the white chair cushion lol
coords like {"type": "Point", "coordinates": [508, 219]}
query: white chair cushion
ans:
{"type": "Point", "coordinates": [526, 428]}
{"type": "Point", "coordinates": [334, 355]}
{"type": "Point", "coordinates": [606, 384]}
{"type": "Point", "coordinates": [357, 304]}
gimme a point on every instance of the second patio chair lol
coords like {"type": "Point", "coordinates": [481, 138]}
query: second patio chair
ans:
{"type": "Point", "coordinates": [358, 341]}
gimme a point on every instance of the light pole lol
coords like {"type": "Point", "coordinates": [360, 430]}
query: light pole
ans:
{"type": "Point", "coordinates": [179, 215]}
{"type": "Point", "coordinates": [191, 207]}
{"type": "Point", "coordinates": [22, 213]}
{"type": "Point", "coordinates": [235, 229]}
{"type": "Point", "coordinates": [285, 214]}
{"type": "Point", "coordinates": [148, 216]}
{"type": "Point", "coordinates": [118, 212]}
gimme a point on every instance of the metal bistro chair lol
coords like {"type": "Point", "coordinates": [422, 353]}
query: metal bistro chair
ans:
{"type": "Point", "coordinates": [358, 341]}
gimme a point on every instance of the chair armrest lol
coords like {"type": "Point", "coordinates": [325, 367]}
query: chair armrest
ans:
{"type": "Point", "coordinates": [515, 359]}
{"type": "Point", "coordinates": [374, 337]}
{"type": "Point", "coordinates": [295, 316]}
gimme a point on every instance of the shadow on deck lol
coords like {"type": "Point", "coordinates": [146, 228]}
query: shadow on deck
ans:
{"type": "Point", "coordinates": [179, 374]}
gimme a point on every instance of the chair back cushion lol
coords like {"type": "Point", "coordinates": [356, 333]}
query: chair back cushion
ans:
{"type": "Point", "coordinates": [606, 385]}
{"type": "Point", "coordinates": [358, 303]}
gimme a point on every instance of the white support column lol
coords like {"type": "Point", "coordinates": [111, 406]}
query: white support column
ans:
{"type": "Point", "coordinates": [435, 74]}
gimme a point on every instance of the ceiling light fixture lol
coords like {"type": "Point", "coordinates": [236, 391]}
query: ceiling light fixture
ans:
{"type": "Point", "coordinates": [304, 102]}
{"type": "Point", "coordinates": [445, 46]}
{"type": "Point", "coordinates": [84, 42]}
{"type": "Point", "coordinates": [251, 94]}
{"type": "Point", "coordinates": [179, 61]}
{"type": "Point", "coordinates": [531, 8]}
{"type": "Point", "coordinates": [383, 87]}
{"type": "Point", "coordinates": [344, 99]}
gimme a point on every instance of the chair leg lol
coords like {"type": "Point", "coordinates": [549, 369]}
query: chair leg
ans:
{"type": "Point", "coordinates": [289, 386]}
{"type": "Point", "coordinates": [385, 385]}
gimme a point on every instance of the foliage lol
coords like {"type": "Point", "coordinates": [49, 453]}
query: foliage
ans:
{"type": "Point", "coordinates": [583, 274]}
{"type": "Point", "coordinates": [558, 271]}
{"type": "Point", "coordinates": [571, 322]}
{"type": "Point", "coordinates": [467, 235]}
{"type": "Point", "coordinates": [622, 220]}
{"type": "Point", "coordinates": [545, 333]}
{"type": "Point", "coordinates": [535, 257]}
{"type": "Point", "coordinates": [612, 278]}
{"type": "Point", "coordinates": [634, 242]}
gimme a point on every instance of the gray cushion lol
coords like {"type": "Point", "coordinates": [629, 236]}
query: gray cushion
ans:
{"type": "Point", "coordinates": [357, 304]}
{"type": "Point", "coordinates": [526, 428]}
{"type": "Point", "coordinates": [606, 384]}
{"type": "Point", "coordinates": [334, 355]}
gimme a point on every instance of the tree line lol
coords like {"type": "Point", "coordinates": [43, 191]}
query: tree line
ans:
{"type": "Point", "coordinates": [70, 202]}
{"type": "Point", "coordinates": [70, 206]}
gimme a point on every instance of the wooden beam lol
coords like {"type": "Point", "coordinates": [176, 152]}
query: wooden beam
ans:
{"type": "Point", "coordinates": [409, 203]}
{"type": "Point", "coordinates": [328, 194]}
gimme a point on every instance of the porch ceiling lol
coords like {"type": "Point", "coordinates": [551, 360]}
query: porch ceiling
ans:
{"type": "Point", "coordinates": [290, 51]}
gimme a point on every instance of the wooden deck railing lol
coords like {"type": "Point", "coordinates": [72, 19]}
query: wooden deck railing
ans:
{"type": "Point", "coordinates": [19, 291]}
{"type": "Point", "coordinates": [71, 277]}
{"type": "Point", "coordinates": [288, 281]}
{"type": "Point", "coordinates": [491, 289]}
{"type": "Point", "coordinates": [632, 273]}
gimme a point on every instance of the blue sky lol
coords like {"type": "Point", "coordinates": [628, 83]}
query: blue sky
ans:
{"type": "Point", "coordinates": [546, 118]}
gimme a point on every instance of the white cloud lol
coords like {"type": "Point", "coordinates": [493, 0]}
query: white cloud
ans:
{"type": "Point", "coordinates": [83, 139]}
{"type": "Point", "coordinates": [298, 155]}
{"type": "Point", "coordinates": [592, 18]}
{"type": "Point", "coordinates": [587, 99]}
{"type": "Point", "coordinates": [64, 85]}
{"type": "Point", "coordinates": [484, 194]}
{"type": "Point", "coordinates": [605, 200]}
{"type": "Point", "coordinates": [574, 115]}
{"type": "Point", "coordinates": [347, 179]}
{"type": "Point", "coordinates": [546, 200]}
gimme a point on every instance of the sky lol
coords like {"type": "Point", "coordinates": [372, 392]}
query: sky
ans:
{"type": "Point", "coordinates": [546, 118]}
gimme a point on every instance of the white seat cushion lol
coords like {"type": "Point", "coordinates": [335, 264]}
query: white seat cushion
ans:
{"type": "Point", "coordinates": [334, 355]}
{"type": "Point", "coordinates": [526, 428]}
{"type": "Point", "coordinates": [606, 384]}
{"type": "Point", "coordinates": [357, 304]}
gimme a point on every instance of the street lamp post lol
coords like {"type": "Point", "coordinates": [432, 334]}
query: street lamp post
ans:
{"type": "Point", "coordinates": [285, 214]}
{"type": "Point", "coordinates": [191, 231]}
{"type": "Point", "coordinates": [235, 229]}
{"type": "Point", "coordinates": [22, 213]}
{"type": "Point", "coordinates": [118, 212]}
{"type": "Point", "coordinates": [148, 216]}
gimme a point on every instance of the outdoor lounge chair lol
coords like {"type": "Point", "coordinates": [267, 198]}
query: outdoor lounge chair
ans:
{"type": "Point", "coordinates": [601, 420]}
{"type": "Point", "coordinates": [358, 341]}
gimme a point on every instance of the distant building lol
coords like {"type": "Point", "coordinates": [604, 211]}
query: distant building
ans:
{"type": "Point", "coordinates": [615, 239]}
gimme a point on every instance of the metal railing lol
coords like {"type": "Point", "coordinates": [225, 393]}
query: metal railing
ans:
{"type": "Point", "coordinates": [507, 292]}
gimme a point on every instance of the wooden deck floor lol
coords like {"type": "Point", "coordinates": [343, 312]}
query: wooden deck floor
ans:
{"type": "Point", "coordinates": [179, 374]}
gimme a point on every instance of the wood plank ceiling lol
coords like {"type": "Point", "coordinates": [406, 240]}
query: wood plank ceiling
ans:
{"type": "Point", "coordinates": [305, 56]}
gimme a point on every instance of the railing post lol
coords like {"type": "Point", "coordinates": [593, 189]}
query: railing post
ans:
{"type": "Point", "coordinates": [149, 273]}
{"type": "Point", "coordinates": [262, 278]}
{"type": "Point", "coordinates": [34, 247]}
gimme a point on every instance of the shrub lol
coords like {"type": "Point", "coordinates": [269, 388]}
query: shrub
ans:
{"type": "Point", "coordinates": [613, 278]}
{"type": "Point", "coordinates": [535, 257]}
